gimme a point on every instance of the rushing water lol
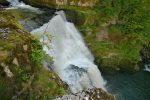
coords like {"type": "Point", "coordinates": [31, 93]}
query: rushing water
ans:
{"type": "Point", "coordinates": [15, 4]}
{"type": "Point", "coordinates": [72, 60]}
{"type": "Point", "coordinates": [147, 67]}
{"type": "Point", "coordinates": [129, 86]}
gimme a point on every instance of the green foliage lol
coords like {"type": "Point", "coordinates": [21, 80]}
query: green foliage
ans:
{"type": "Point", "coordinates": [117, 50]}
{"type": "Point", "coordinates": [23, 55]}
{"type": "Point", "coordinates": [25, 76]}
{"type": "Point", "coordinates": [127, 22]}
{"type": "Point", "coordinates": [133, 14]}
{"type": "Point", "coordinates": [117, 28]}
{"type": "Point", "coordinates": [61, 91]}
{"type": "Point", "coordinates": [38, 54]}
{"type": "Point", "coordinates": [9, 46]}
{"type": "Point", "coordinates": [18, 69]}
{"type": "Point", "coordinates": [46, 87]}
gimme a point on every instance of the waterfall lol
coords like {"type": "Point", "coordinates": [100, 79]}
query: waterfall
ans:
{"type": "Point", "coordinates": [73, 62]}
{"type": "Point", "coordinates": [147, 67]}
{"type": "Point", "coordinates": [14, 2]}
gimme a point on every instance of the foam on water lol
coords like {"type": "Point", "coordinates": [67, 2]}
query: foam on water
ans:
{"type": "Point", "coordinates": [147, 68]}
{"type": "Point", "coordinates": [72, 60]}
{"type": "Point", "coordinates": [15, 4]}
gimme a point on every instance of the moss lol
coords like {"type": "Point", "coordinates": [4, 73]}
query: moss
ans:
{"type": "Point", "coordinates": [30, 80]}
{"type": "Point", "coordinates": [55, 4]}
{"type": "Point", "coordinates": [120, 44]}
{"type": "Point", "coordinates": [21, 14]}
{"type": "Point", "coordinates": [145, 53]}
{"type": "Point", "coordinates": [118, 52]}
{"type": "Point", "coordinates": [46, 85]}
{"type": "Point", "coordinates": [8, 46]}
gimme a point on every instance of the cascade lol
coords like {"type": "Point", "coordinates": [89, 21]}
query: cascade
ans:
{"type": "Point", "coordinates": [16, 4]}
{"type": "Point", "coordinates": [73, 61]}
{"type": "Point", "coordinates": [147, 67]}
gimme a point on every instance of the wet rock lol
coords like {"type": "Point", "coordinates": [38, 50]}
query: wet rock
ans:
{"type": "Point", "coordinates": [57, 3]}
{"type": "Point", "coordinates": [90, 94]}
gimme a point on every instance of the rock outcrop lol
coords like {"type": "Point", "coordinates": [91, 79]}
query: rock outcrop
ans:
{"type": "Point", "coordinates": [90, 94]}
{"type": "Point", "coordinates": [57, 3]}
{"type": "Point", "coordinates": [22, 76]}
{"type": "Point", "coordinates": [145, 53]}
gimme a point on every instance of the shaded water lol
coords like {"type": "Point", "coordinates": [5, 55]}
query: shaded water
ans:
{"type": "Point", "coordinates": [129, 86]}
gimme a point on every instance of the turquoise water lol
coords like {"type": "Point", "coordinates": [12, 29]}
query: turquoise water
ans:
{"type": "Point", "coordinates": [129, 86]}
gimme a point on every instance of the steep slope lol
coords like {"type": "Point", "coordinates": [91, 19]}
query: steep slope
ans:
{"type": "Point", "coordinates": [22, 75]}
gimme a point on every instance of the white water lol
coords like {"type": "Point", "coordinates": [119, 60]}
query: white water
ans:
{"type": "Point", "coordinates": [72, 60]}
{"type": "Point", "coordinates": [15, 4]}
{"type": "Point", "coordinates": [147, 68]}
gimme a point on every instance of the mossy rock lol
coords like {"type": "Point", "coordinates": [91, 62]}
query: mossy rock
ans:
{"type": "Point", "coordinates": [113, 56]}
{"type": "Point", "coordinates": [76, 12]}
{"type": "Point", "coordinates": [57, 3]}
{"type": "Point", "coordinates": [19, 57]}
{"type": "Point", "coordinates": [90, 94]}
{"type": "Point", "coordinates": [119, 64]}
{"type": "Point", "coordinates": [145, 53]}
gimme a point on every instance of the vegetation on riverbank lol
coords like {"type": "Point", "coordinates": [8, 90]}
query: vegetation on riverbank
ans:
{"type": "Point", "coordinates": [115, 31]}
{"type": "Point", "coordinates": [117, 45]}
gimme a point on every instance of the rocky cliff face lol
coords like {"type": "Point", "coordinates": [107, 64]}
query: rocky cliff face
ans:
{"type": "Point", "coordinates": [145, 53]}
{"type": "Point", "coordinates": [55, 3]}
{"type": "Point", "coordinates": [22, 76]}
{"type": "Point", "coordinates": [90, 94]}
